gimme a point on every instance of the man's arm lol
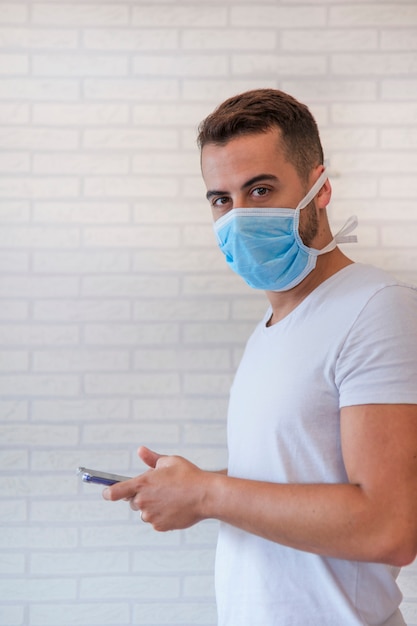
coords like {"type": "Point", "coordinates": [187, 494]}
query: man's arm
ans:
{"type": "Point", "coordinates": [371, 518]}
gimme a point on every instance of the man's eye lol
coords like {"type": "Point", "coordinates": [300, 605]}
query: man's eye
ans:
{"type": "Point", "coordinates": [220, 201]}
{"type": "Point", "coordinates": [260, 191]}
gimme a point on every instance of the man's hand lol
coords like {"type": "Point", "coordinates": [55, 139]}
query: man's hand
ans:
{"type": "Point", "coordinates": [170, 495]}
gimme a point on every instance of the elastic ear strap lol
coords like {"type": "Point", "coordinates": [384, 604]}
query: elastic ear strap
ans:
{"type": "Point", "coordinates": [314, 190]}
{"type": "Point", "coordinates": [343, 235]}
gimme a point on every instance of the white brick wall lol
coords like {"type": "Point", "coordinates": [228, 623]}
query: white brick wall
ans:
{"type": "Point", "coordinates": [119, 322]}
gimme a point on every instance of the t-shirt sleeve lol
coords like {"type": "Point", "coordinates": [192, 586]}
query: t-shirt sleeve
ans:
{"type": "Point", "coordinates": [378, 361]}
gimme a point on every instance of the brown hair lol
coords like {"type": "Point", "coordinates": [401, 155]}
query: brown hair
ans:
{"type": "Point", "coordinates": [260, 110]}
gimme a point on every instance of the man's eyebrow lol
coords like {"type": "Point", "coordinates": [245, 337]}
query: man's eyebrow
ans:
{"type": "Point", "coordinates": [248, 183]}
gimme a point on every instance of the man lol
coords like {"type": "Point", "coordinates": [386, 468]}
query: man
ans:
{"type": "Point", "coordinates": [318, 506]}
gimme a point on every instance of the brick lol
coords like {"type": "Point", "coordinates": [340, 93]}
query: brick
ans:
{"type": "Point", "coordinates": [13, 411]}
{"type": "Point", "coordinates": [87, 562]}
{"type": "Point", "coordinates": [14, 212]}
{"type": "Point", "coordinates": [216, 90]}
{"type": "Point", "coordinates": [22, 589]}
{"type": "Point", "coordinates": [175, 561]}
{"type": "Point", "coordinates": [130, 187]}
{"type": "Point", "coordinates": [13, 64]}
{"type": "Point", "coordinates": [91, 510]}
{"type": "Point", "coordinates": [118, 535]}
{"type": "Point", "coordinates": [199, 613]}
{"type": "Point", "coordinates": [329, 39]}
{"type": "Point", "coordinates": [373, 14]}
{"type": "Point", "coordinates": [14, 361]}
{"type": "Point", "coordinates": [376, 64]}
{"type": "Point", "coordinates": [181, 359]}
{"type": "Point", "coordinates": [132, 335]}
{"type": "Point", "coordinates": [166, 163]}
{"type": "Point", "coordinates": [86, 114]}
{"type": "Point", "coordinates": [30, 38]}
{"type": "Point", "coordinates": [12, 512]}
{"type": "Point", "coordinates": [14, 114]}
{"type": "Point", "coordinates": [38, 537]}
{"type": "Point", "coordinates": [12, 564]}
{"type": "Point", "coordinates": [30, 187]}
{"type": "Point", "coordinates": [221, 284]}
{"type": "Point", "coordinates": [13, 310]}
{"type": "Point", "coordinates": [284, 65]}
{"type": "Point", "coordinates": [91, 14]}
{"type": "Point", "coordinates": [79, 65]}
{"type": "Point", "coordinates": [178, 260]}
{"type": "Point", "coordinates": [130, 39]}
{"type": "Point", "coordinates": [399, 89]}
{"type": "Point", "coordinates": [223, 334]}
{"type": "Point", "coordinates": [140, 587]}
{"type": "Point", "coordinates": [281, 17]}
{"type": "Point", "coordinates": [133, 237]}
{"type": "Point", "coordinates": [12, 615]}
{"type": "Point", "coordinates": [81, 310]}
{"type": "Point", "coordinates": [207, 383]}
{"type": "Point", "coordinates": [199, 587]}
{"type": "Point", "coordinates": [40, 139]}
{"type": "Point", "coordinates": [228, 39]}
{"type": "Point", "coordinates": [129, 286]}
{"type": "Point", "coordinates": [15, 163]}
{"type": "Point", "coordinates": [80, 164]}
{"type": "Point", "coordinates": [81, 262]}
{"type": "Point", "coordinates": [186, 212]}
{"type": "Point", "coordinates": [13, 262]}
{"type": "Point", "coordinates": [40, 287]}
{"type": "Point", "coordinates": [399, 39]}
{"type": "Point", "coordinates": [399, 138]}
{"type": "Point", "coordinates": [377, 113]}
{"type": "Point", "coordinates": [68, 460]}
{"type": "Point", "coordinates": [132, 384]}
{"type": "Point", "coordinates": [127, 434]}
{"type": "Point", "coordinates": [132, 90]}
{"type": "Point", "coordinates": [179, 15]}
{"type": "Point", "coordinates": [80, 212]}
{"type": "Point", "coordinates": [39, 89]}
{"type": "Point", "coordinates": [180, 64]}
{"type": "Point", "coordinates": [39, 434]}
{"type": "Point", "coordinates": [181, 309]}
{"type": "Point", "coordinates": [375, 162]}
{"type": "Point", "coordinates": [338, 89]}
{"type": "Point", "coordinates": [177, 409]}
{"type": "Point", "coordinates": [130, 139]}
{"type": "Point", "coordinates": [251, 308]}
{"type": "Point", "coordinates": [38, 486]}
{"type": "Point", "coordinates": [13, 460]}
{"type": "Point", "coordinates": [30, 335]}
{"type": "Point", "coordinates": [12, 13]}
{"type": "Point", "coordinates": [79, 360]}
{"type": "Point", "coordinates": [33, 385]}
{"type": "Point", "coordinates": [81, 614]}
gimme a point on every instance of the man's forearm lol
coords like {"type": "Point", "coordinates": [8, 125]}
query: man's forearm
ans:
{"type": "Point", "coordinates": [335, 520]}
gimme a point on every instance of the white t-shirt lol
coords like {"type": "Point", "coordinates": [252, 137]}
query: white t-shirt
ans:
{"type": "Point", "coordinates": [351, 341]}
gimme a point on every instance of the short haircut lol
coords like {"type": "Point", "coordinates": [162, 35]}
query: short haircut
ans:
{"type": "Point", "coordinates": [260, 110]}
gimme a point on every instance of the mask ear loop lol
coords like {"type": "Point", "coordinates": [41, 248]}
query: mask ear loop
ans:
{"type": "Point", "coordinates": [310, 195]}
{"type": "Point", "coordinates": [313, 191]}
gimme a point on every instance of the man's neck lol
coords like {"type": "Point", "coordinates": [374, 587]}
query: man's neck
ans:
{"type": "Point", "coordinates": [284, 302]}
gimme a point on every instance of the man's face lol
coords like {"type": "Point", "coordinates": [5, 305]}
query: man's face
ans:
{"type": "Point", "coordinates": [252, 171]}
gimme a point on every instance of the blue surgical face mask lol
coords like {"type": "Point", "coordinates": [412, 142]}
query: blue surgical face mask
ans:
{"type": "Point", "coordinates": [264, 247]}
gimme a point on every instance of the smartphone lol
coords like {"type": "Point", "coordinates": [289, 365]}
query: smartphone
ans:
{"type": "Point", "coordinates": [100, 478]}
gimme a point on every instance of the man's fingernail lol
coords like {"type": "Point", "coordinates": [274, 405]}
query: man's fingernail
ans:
{"type": "Point", "coordinates": [106, 494]}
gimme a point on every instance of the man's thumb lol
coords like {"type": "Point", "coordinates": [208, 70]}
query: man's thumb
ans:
{"type": "Point", "coordinates": [148, 456]}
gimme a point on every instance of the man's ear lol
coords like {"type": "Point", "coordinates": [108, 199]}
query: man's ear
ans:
{"type": "Point", "coordinates": [324, 195]}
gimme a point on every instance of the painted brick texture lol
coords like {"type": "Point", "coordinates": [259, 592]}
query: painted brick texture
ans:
{"type": "Point", "coordinates": [119, 322]}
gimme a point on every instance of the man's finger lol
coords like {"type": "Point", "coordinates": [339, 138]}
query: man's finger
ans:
{"type": "Point", "coordinates": [124, 490]}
